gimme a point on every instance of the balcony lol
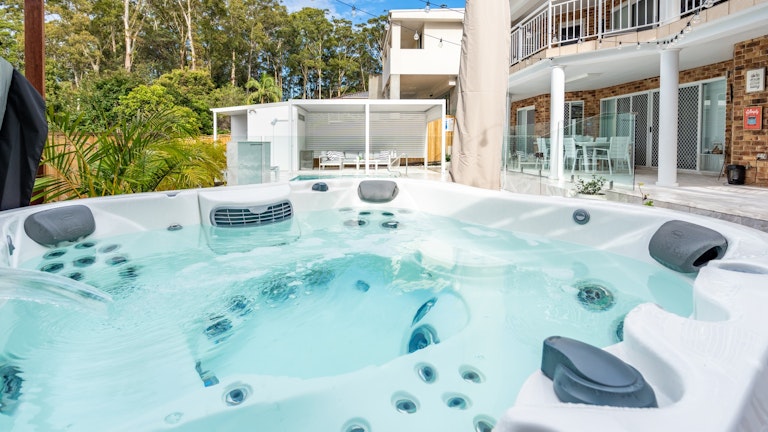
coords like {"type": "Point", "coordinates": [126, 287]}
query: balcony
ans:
{"type": "Point", "coordinates": [563, 22]}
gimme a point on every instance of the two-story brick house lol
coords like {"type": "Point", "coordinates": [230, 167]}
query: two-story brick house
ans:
{"type": "Point", "coordinates": [684, 70]}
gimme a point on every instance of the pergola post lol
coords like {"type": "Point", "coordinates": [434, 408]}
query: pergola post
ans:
{"type": "Point", "coordinates": [34, 44]}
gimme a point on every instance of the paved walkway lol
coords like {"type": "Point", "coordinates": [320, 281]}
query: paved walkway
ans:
{"type": "Point", "coordinates": [702, 194]}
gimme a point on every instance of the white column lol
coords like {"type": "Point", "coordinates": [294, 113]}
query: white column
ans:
{"type": "Point", "coordinates": [394, 78]}
{"type": "Point", "coordinates": [367, 134]}
{"type": "Point", "coordinates": [668, 88]}
{"type": "Point", "coordinates": [442, 140]}
{"type": "Point", "coordinates": [215, 126]}
{"type": "Point", "coordinates": [394, 86]}
{"type": "Point", "coordinates": [556, 118]}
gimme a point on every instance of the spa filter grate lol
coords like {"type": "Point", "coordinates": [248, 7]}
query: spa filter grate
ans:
{"type": "Point", "coordinates": [251, 216]}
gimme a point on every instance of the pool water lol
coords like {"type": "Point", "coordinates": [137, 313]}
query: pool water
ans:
{"type": "Point", "coordinates": [325, 294]}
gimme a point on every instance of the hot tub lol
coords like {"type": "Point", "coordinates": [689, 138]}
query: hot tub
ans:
{"type": "Point", "coordinates": [362, 305]}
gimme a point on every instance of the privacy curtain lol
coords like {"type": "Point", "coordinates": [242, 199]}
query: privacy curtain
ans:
{"type": "Point", "coordinates": [481, 102]}
{"type": "Point", "coordinates": [23, 131]}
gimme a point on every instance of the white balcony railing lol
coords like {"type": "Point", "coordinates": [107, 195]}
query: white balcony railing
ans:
{"type": "Point", "coordinates": [562, 22]}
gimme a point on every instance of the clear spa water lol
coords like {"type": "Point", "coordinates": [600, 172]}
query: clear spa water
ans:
{"type": "Point", "coordinates": [325, 294]}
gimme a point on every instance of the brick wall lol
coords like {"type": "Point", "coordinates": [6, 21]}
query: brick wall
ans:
{"type": "Point", "coordinates": [746, 144]}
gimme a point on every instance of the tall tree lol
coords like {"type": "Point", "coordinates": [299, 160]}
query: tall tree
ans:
{"type": "Point", "coordinates": [133, 21]}
{"type": "Point", "coordinates": [188, 12]}
{"type": "Point", "coordinates": [312, 33]}
{"type": "Point", "coordinates": [12, 32]}
{"type": "Point", "coordinates": [166, 33]}
{"type": "Point", "coordinates": [371, 42]}
{"type": "Point", "coordinates": [344, 61]}
{"type": "Point", "coordinates": [69, 41]}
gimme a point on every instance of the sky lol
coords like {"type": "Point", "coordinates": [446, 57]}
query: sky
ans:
{"type": "Point", "coordinates": [366, 9]}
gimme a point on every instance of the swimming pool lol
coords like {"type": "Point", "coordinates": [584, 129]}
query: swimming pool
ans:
{"type": "Point", "coordinates": [422, 311]}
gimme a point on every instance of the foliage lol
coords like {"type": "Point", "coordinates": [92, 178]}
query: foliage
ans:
{"type": "Point", "coordinates": [140, 154]}
{"type": "Point", "coordinates": [231, 42]}
{"type": "Point", "coordinates": [264, 90]}
{"type": "Point", "coordinates": [11, 32]}
{"type": "Point", "coordinates": [98, 100]}
{"type": "Point", "coordinates": [590, 187]}
{"type": "Point", "coordinates": [156, 98]}
{"type": "Point", "coordinates": [191, 89]}
{"type": "Point", "coordinates": [647, 201]}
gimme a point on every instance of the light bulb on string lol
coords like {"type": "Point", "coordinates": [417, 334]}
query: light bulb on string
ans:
{"type": "Point", "coordinates": [416, 36]}
{"type": "Point", "coordinates": [696, 18]}
{"type": "Point", "coordinates": [440, 44]}
{"type": "Point", "coordinates": [426, 8]}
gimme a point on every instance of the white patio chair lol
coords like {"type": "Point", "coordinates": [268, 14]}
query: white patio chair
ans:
{"type": "Point", "coordinates": [571, 152]}
{"type": "Point", "coordinates": [543, 148]}
{"type": "Point", "coordinates": [619, 152]}
{"type": "Point", "coordinates": [602, 154]}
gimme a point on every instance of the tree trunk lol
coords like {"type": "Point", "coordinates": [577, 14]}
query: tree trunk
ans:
{"type": "Point", "coordinates": [186, 12]}
{"type": "Point", "coordinates": [232, 72]}
{"type": "Point", "coordinates": [131, 29]}
{"type": "Point", "coordinates": [127, 33]}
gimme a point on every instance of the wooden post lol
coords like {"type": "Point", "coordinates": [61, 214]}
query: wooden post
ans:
{"type": "Point", "coordinates": [34, 44]}
{"type": "Point", "coordinates": [34, 53]}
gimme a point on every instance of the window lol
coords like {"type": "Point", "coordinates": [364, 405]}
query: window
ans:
{"type": "Point", "coordinates": [573, 118]}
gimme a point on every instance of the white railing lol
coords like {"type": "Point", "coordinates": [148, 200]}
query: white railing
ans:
{"type": "Point", "coordinates": [562, 22]}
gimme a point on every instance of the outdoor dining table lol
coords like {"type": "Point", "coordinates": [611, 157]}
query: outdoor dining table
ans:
{"type": "Point", "coordinates": [591, 145]}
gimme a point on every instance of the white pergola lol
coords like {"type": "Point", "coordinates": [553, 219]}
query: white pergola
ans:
{"type": "Point", "coordinates": [252, 121]}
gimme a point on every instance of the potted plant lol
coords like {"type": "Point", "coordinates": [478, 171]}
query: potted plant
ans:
{"type": "Point", "coordinates": [590, 188]}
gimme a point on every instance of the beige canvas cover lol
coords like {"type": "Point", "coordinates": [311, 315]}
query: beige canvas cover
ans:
{"type": "Point", "coordinates": [482, 89]}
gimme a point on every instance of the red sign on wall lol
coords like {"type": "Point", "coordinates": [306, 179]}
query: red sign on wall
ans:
{"type": "Point", "coordinates": [753, 118]}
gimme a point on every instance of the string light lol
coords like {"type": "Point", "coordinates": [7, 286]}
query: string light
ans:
{"type": "Point", "coordinates": [416, 36]}
{"type": "Point", "coordinates": [426, 8]}
{"type": "Point", "coordinates": [696, 18]}
{"type": "Point", "coordinates": [440, 44]}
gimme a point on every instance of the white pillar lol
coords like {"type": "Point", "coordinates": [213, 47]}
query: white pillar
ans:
{"type": "Point", "coordinates": [668, 94]}
{"type": "Point", "coordinates": [394, 79]}
{"type": "Point", "coordinates": [367, 134]}
{"type": "Point", "coordinates": [442, 139]}
{"type": "Point", "coordinates": [215, 126]}
{"type": "Point", "coordinates": [556, 119]}
{"type": "Point", "coordinates": [394, 86]}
